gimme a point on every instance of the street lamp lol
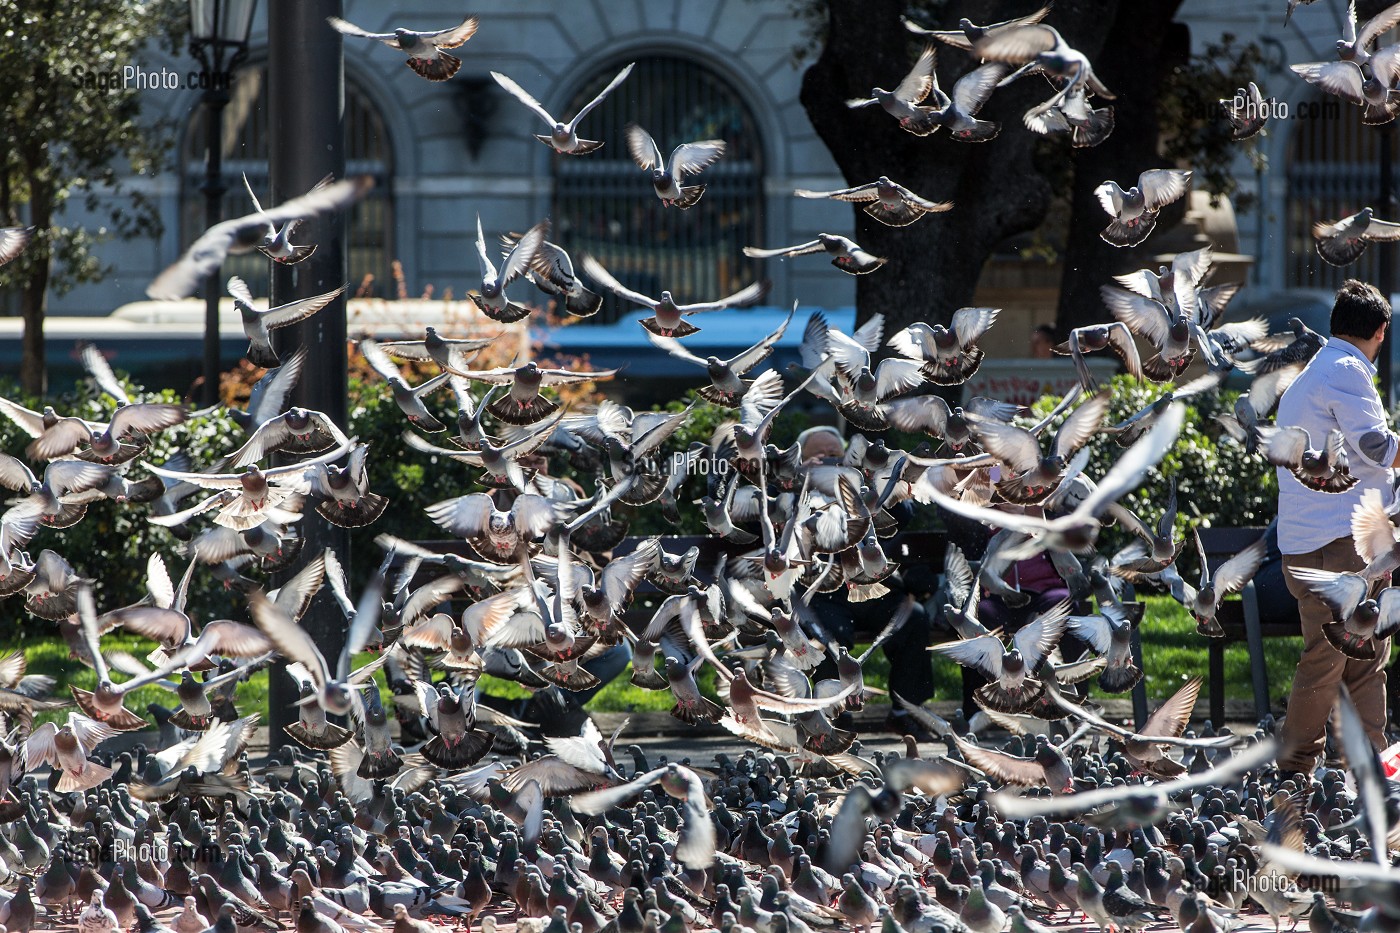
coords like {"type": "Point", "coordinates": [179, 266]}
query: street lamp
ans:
{"type": "Point", "coordinates": [219, 39]}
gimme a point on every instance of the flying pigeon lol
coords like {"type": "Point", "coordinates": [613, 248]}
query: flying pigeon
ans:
{"type": "Point", "coordinates": [424, 49]}
{"type": "Point", "coordinates": [491, 298]}
{"type": "Point", "coordinates": [668, 318]}
{"type": "Point", "coordinates": [1135, 211]}
{"type": "Point", "coordinates": [888, 202]}
{"type": "Point", "coordinates": [245, 234]}
{"type": "Point", "coordinates": [1341, 242]}
{"type": "Point", "coordinates": [686, 159]}
{"type": "Point", "coordinates": [259, 324]}
{"type": "Point", "coordinates": [563, 137]}
{"type": "Point", "coordinates": [904, 102]}
{"type": "Point", "coordinates": [846, 254]}
{"type": "Point", "coordinates": [277, 243]}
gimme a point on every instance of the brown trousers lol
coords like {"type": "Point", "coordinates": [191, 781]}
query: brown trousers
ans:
{"type": "Point", "coordinates": [1322, 667]}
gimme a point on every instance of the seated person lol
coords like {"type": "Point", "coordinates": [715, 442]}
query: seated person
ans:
{"type": "Point", "coordinates": [1036, 578]}
{"type": "Point", "coordinates": [911, 670]}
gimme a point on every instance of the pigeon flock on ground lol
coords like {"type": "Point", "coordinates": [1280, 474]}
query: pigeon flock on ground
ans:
{"type": "Point", "coordinates": [441, 811]}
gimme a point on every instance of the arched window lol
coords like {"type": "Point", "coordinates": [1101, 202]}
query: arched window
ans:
{"type": "Point", "coordinates": [245, 151]}
{"type": "Point", "coordinates": [605, 206]}
{"type": "Point", "coordinates": [1333, 171]}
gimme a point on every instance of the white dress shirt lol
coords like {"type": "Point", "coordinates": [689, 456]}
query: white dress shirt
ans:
{"type": "Point", "coordinates": [1336, 390]}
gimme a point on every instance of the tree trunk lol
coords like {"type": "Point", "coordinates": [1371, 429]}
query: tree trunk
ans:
{"type": "Point", "coordinates": [997, 187]}
{"type": "Point", "coordinates": [33, 370]}
{"type": "Point", "coordinates": [1134, 71]}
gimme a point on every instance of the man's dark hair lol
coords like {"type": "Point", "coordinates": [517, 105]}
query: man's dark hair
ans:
{"type": "Point", "coordinates": [1360, 309]}
{"type": "Point", "coordinates": [1051, 332]}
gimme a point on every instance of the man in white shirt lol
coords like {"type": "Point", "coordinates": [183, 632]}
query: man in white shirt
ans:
{"type": "Point", "coordinates": [1335, 392]}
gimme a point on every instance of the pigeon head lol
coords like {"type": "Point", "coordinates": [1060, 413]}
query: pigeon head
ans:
{"type": "Point", "coordinates": [407, 38]}
{"type": "Point", "coordinates": [337, 699]}
{"type": "Point", "coordinates": [448, 703]}
{"type": "Point", "coordinates": [558, 636]}
{"type": "Point", "coordinates": [943, 337]}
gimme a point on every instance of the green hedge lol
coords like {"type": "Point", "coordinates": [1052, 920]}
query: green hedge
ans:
{"type": "Point", "coordinates": [1217, 483]}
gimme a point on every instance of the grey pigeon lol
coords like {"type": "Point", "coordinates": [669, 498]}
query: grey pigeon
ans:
{"type": "Point", "coordinates": [968, 32]}
{"type": "Point", "coordinates": [668, 317]}
{"type": "Point", "coordinates": [846, 254]}
{"type": "Point", "coordinates": [245, 234]}
{"type": "Point", "coordinates": [447, 352]}
{"type": "Point", "coordinates": [1040, 48]}
{"type": "Point", "coordinates": [408, 398]}
{"type": "Point", "coordinates": [888, 202]}
{"type": "Point", "coordinates": [905, 102]}
{"type": "Point", "coordinates": [277, 243]}
{"type": "Point", "coordinates": [258, 325]}
{"type": "Point", "coordinates": [1248, 111]}
{"type": "Point", "coordinates": [424, 49]}
{"type": "Point", "coordinates": [563, 137]}
{"type": "Point", "coordinates": [552, 272]}
{"type": "Point", "coordinates": [686, 159]}
{"type": "Point", "coordinates": [1135, 210]}
{"type": "Point", "coordinates": [959, 112]}
{"type": "Point", "coordinates": [1355, 81]}
{"type": "Point", "coordinates": [1322, 469]}
{"type": "Point", "coordinates": [491, 298]}
{"type": "Point", "coordinates": [1341, 242]}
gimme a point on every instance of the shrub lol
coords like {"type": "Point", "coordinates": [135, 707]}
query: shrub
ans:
{"type": "Point", "coordinates": [1217, 483]}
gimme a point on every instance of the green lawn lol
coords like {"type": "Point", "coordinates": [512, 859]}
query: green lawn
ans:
{"type": "Point", "coordinates": [1172, 651]}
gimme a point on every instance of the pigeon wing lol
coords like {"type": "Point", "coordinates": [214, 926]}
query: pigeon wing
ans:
{"type": "Point", "coordinates": [1342, 592]}
{"type": "Point", "coordinates": [295, 311]}
{"type": "Point", "coordinates": [1009, 769]}
{"type": "Point", "coordinates": [983, 653]}
{"type": "Point", "coordinates": [643, 148]}
{"type": "Point", "coordinates": [350, 29]}
{"type": "Point", "coordinates": [524, 96]}
{"type": "Point", "coordinates": [603, 277]}
{"type": "Point", "coordinates": [971, 323]}
{"type": "Point", "coordinates": [693, 158]}
{"type": "Point", "coordinates": [452, 37]}
{"type": "Point", "coordinates": [1240, 569]}
{"type": "Point", "coordinates": [1162, 186]}
{"type": "Point", "coordinates": [612, 86]}
{"type": "Point", "coordinates": [919, 81]}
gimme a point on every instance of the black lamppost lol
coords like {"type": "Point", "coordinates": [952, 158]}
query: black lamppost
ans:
{"type": "Point", "coordinates": [219, 39]}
